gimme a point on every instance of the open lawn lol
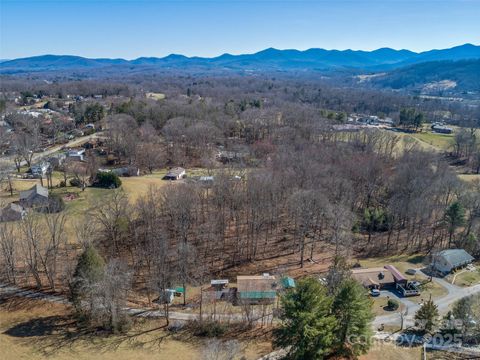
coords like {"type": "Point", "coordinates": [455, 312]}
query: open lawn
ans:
{"type": "Point", "coordinates": [466, 277]}
{"type": "Point", "coordinates": [442, 142]}
{"type": "Point", "coordinates": [380, 306]}
{"type": "Point", "coordinates": [385, 351]}
{"type": "Point", "coordinates": [401, 262]}
{"type": "Point", "coordinates": [34, 330]}
{"type": "Point", "coordinates": [469, 177]}
{"type": "Point", "coordinates": [432, 289]}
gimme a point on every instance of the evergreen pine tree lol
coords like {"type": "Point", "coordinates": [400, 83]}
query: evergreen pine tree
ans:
{"type": "Point", "coordinates": [89, 270]}
{"type": "Point", "coordinates": [427, 316]}
{"type": "Point", "coordinates": [353, 311]}
{"type": "Point", "coordinates": [307, 323]}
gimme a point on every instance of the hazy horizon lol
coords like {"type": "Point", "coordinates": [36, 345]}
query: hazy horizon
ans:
{"type": "Point", "coordinates": [157, 28]}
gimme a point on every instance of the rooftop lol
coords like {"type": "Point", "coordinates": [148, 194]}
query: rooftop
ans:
{"type": "Point", "coordinates": [456, 256]}
{"type": "Point", "coordinates": [36, 189]}
{"type": "Point", "coordinates": [373, 276]}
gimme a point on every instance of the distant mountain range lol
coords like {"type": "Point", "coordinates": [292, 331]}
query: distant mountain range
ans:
{"type": "Point", "coordinates": [266, 60]}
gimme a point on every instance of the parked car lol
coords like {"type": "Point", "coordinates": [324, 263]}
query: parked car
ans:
{"type": "Point", "coordinates": [375, 292]}
{"type": "Point", "coordinates": [411, 272]}
{"type": "Point", "coordinates": [415, 284]}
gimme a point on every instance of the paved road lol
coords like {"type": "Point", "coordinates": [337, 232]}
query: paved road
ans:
{"type": "Point", "coordinates": [454, 293]}
{"type": "Point", "coordinates": [11, 290]}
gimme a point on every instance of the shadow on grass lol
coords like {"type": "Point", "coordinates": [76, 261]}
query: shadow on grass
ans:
{"type": "Point", "coordinates": [52, 334]}
{"type": "Point", "coordinates": [40, 327]}
{"type": "Point", "coordinates": [418, 259]}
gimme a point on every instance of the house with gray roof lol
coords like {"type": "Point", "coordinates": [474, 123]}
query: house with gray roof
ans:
{"type": "Point", "coordinates": [12, 212]}
{"type": "Point", "coordinates": [36, 196]}
{"type": "Point", "coordinates": [175, 174]}
{"type": "Point", "coordinates": [447, 260]}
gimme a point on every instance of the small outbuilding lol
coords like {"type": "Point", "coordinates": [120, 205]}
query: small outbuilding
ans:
{"type": "Point", "coordinates": [175, 174]}
{"type": "Point", "coordinates": [448, 260]}
{"type": "Point", "coordinates": [288, 282]}
{"type": "Point", "coordinates": [166, 297]}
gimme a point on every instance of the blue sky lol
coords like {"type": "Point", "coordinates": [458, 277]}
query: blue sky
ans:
{"type": "Point", "coordinates": [129, 29]}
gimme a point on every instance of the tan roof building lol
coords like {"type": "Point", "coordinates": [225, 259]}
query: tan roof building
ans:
{"type": "Point", "coordinates": [257, 288]}
{"type": "Point", "coordinates": [373, 277]}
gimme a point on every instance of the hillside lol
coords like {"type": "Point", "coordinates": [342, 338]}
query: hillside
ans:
{"type": "Point", "coordinates": [431, 77]}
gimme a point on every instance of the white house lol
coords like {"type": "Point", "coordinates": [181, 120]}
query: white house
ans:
{"type": "Point", "coordinates": [447, 260]}
{"type": "Point", "coordinates": [40, 169]}
{"type": "Point", "coordinates": [76, 154]}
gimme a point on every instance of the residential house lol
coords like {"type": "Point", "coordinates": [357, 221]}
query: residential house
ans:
{"type": "Point", "coordinates": [40, 169]}
{"type": "Point", "coordinates": [225, 156]}
{"type": "Point", "coordinates": [260, 289]}
{"type": "Point", "coordinates": [12, 212]}
{"type": "Point", "coordinates": [175, 174]}
{"type": "Point", "coordinates": [37, 196]}
{"type": "Point", "coordinates": [442, 129]}
{"type": "Point", "coordinates": [56, 160]}
{"type": "Point", "coordinates": [127, 171]}
{"type": "Point", "coordinates": [374, 278]}
{"type": "Point", "coordinates": [447, 260]}
{"type": "Point", "coordinates": [387, 277]}
{"type": "Point", "coordinates": [76, 154]}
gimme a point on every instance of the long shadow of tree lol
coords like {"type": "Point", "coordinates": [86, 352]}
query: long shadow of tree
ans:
{"type": "Point", "coordinates": [56, 333]}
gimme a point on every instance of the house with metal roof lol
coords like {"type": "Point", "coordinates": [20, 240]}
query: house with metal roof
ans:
{"type": "Point", "coordinates": [287, 282]}
{"type": "Point", "coordinates": [447, 260]}
{"type": "Point", "coordinates": [257, 289]}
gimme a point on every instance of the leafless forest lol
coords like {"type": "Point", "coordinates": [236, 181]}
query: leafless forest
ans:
{"type": "Point", "coordinates": [287, 183]}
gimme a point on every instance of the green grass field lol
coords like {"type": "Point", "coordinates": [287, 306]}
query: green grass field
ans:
{"type": "Point", "coordinates": [442, 142]}
{"type": "Point", "coordinates": [465, 277]}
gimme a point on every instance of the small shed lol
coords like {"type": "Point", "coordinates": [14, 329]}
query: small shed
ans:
{"type": "Point", "coordinates": [219, 284]}
{"type": "Point", "coordinates": [175, 174]}
{"type": "Point", "coordinates": [166, 297]}
{"type": "Point", "coordinates": [287, 282]}
{"type": "Point", "coordinates": [447, 260]}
